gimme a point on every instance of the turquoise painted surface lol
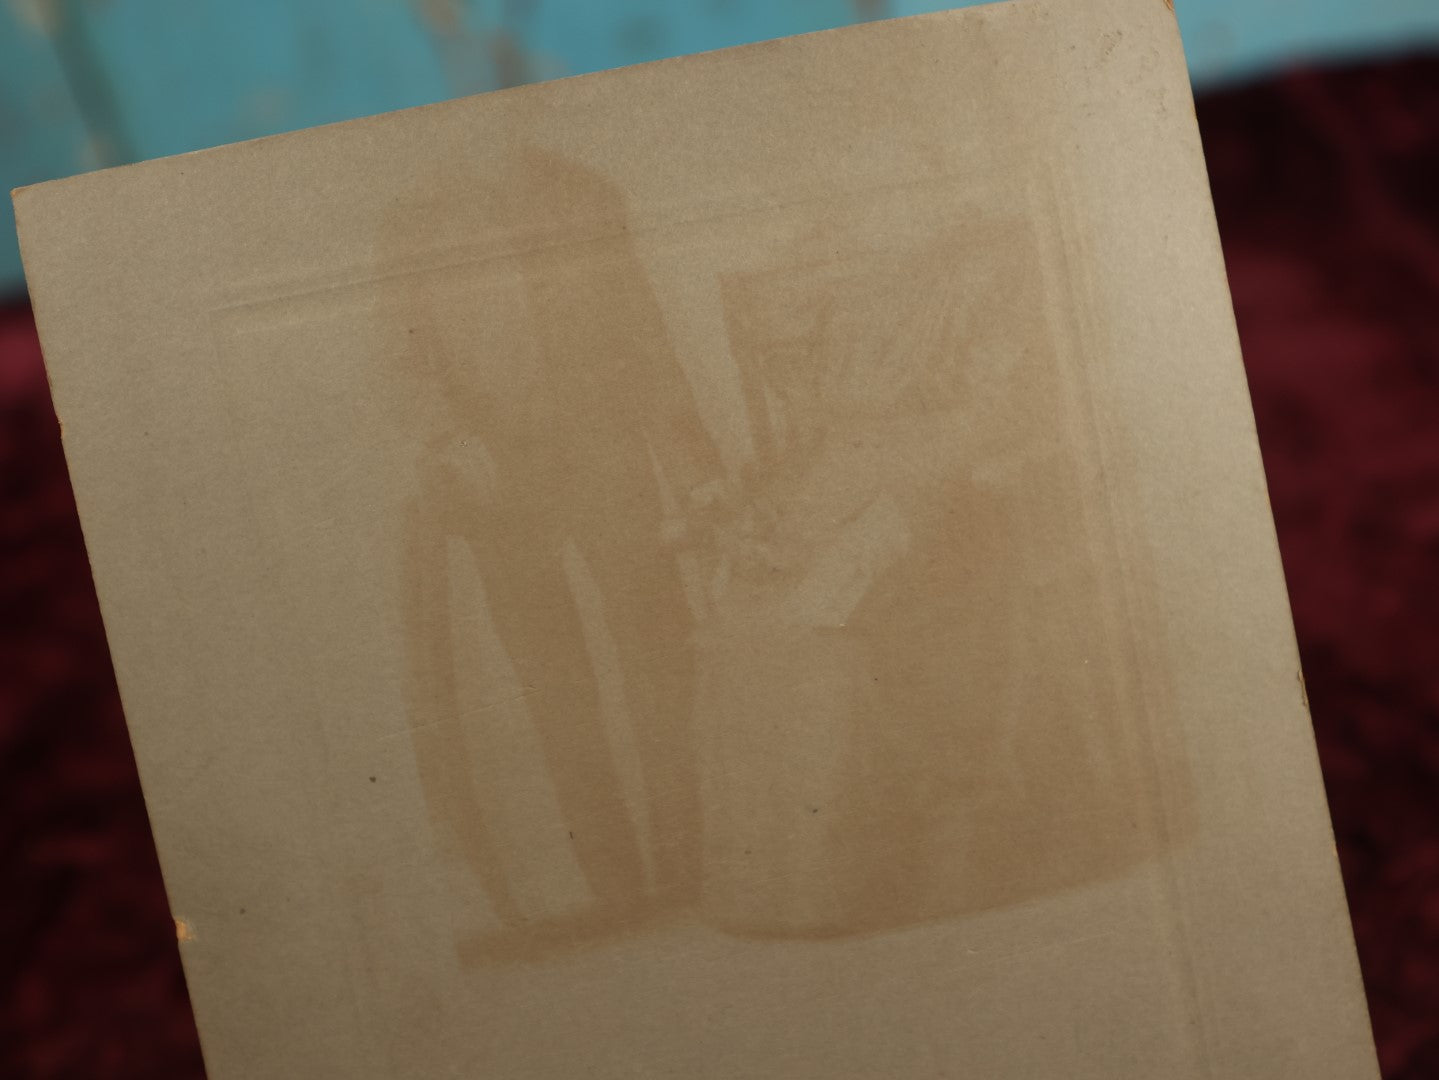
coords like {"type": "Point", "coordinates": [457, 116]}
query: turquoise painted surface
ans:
{"type": "Point", "coordinates": [88, 83]}
{"type": "Point", "coordinates": [42, 134]}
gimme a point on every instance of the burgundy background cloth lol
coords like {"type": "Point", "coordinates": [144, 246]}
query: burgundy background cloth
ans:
{"type": "Point", "coordinates": [1327, 188]}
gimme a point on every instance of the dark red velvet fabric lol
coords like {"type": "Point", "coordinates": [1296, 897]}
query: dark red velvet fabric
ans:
{"type": "Point", "coordinates": [1327, 188]}
{"type": "Point", "coordinates": [1327, 191]}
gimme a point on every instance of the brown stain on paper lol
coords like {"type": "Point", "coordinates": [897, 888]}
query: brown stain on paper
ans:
{"type": "Point", "coordinates": [564, 432]}
{"type": "Point", "coordinates": [874, 680]}
{"type": "Point", "coordinates": [970, 742]}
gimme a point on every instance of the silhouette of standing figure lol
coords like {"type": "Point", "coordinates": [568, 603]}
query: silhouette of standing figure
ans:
{"type": "Point", "coordinates": [585, 436]}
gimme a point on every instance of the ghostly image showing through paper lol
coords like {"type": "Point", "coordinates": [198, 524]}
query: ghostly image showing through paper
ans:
{"type": "Point", "coordinates": [815, 681]}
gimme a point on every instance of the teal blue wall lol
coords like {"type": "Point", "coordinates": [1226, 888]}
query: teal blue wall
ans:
{"type": "Point", "coordinates": [87, 83]}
